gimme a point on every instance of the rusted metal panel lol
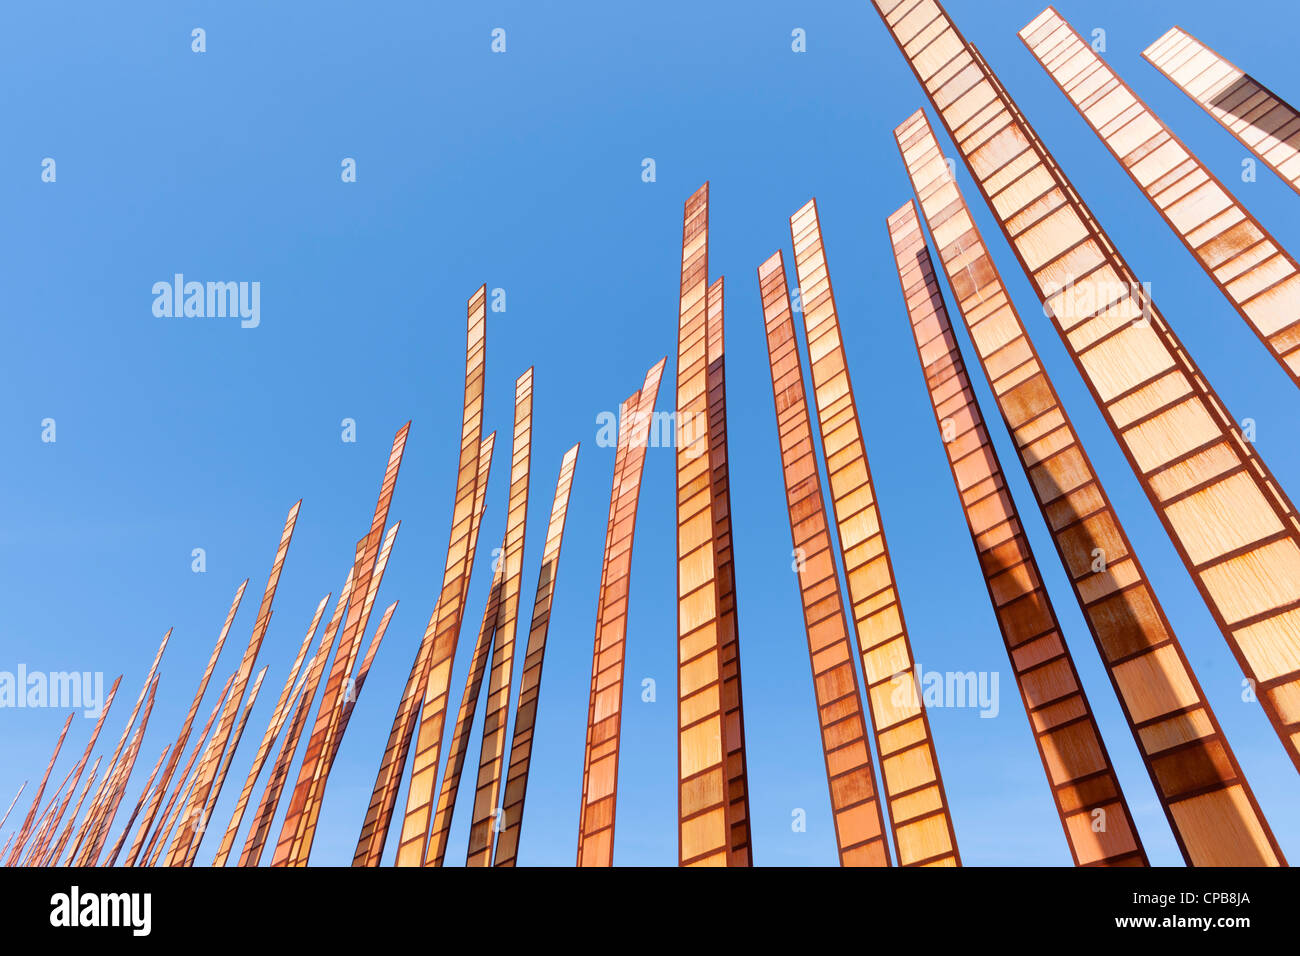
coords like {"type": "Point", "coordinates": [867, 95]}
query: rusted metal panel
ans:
{"type": "Point", "coordinates": [1248, 265]}
{"type": "Point", "coordinates": [1231, 522]}
{"type": "Point", "coordinates": [1191, 765]}
{"type": "Point", "coordinates": [1261, 120]}
{"type": "Point", "coordinates": [605, 706]}
{"type": "Point", "coordinates": [855, 805]}
{"type": "Point", "coordinates": [443, 630]}
{"type": "Point", "coordinates": [1082, 780]}
{"type": "Point", "coordinates": [299, 829]}
{"type": "Point", "coordinates": [917, 806]}
{"type": "Point", "coordinates": [530, 681]}
{"type": "Point", "coordinates": [383, 798]}
{"type": "Point", "coordinates": [206, 775]}
{"type": "Point", "coordinates": [740, 850]}
{"type": "Point", "coordinates": [273, 728]}
{"type": "Point", "coordinates": [496, 709]}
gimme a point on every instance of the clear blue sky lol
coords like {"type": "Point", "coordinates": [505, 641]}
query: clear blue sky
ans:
{"type": "Point", "coordinates": [523, 171]}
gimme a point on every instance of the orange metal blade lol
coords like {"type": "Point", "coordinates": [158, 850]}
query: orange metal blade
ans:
{"type": "Point", "coordinates": [521, 744]}
{"type": "Point", "coordinates": [855, 806]}
{"type": "Point", "coordinates": [443, 630]}
{"type": "Point", "coordinates": [1083, 783]}
{"type": "Point", "coordinates": [1210, 807]}
{"type": "Point", "coordinates": [1261, 121]}
{"type": "Point", "coordinates": [605, 708]}
{"type": "Point", "coordinates": [485, 821]}
{"type": "Point", "coordinates": [1249, 266]}
{"type": "Point", "coordinates": [206, 776]}
{"type": "Point", "coordinates": [383, 798]}
{"type": "Point", "coordinates": [917, 806]}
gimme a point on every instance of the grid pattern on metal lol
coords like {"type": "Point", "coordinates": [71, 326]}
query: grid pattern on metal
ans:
{"type": "Point", "coordinates": [485, 821]}
{"type": "Point", "coordinates": [530, 680]}
{"type": "Point", "coordinates": [1247, 264]}
{"type": "Point", "coordinates": [605, 703]}
{"type": "Point", "coordinates": [1261, 121]}
{"type": "Point", "coordinates": [1190, 762]}
{"type": "Point", "coordinates": [1082, 780]}
{"type": "Point", "coordinates": [855, 805]}
{"type": "Point", "coordinates": [916, 804]}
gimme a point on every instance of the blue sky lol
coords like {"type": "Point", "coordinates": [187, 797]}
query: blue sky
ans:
{"type": "Point", "coordinates": [523, 170]}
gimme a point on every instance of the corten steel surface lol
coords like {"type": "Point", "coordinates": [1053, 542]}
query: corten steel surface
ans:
{"type": "Point", "coordinates": [1206, 798]}
{"type": "Point", "coordinates": [917, 806]}
{"type": "Point", "coordinates": [52, 855]}
{"type": "Point", "coordinates": [299, 830]}
{"type": "Point", "coordinates": [530, 680]}
{"type": "Point", "coordinates": [89, 826]}
{"type": "Point", "coordinates": [465, 720]}
{"type": "Point", "coordinates": [273, 728]}
{"type": "Point", "coordinates": [496, 709]}
{"type": "Point", "coordinates": [605, 704]}
{"type": "Point", "coordinates": [704, 833]}
{"type": "Point", "coordinates": [81, 765]}
{"type": "Point", "coordinates": [443, 630]}
{"type": "Point", "coordinates": [153, 849]}
{"type": "Point", "coordinates": [350, 702]}
{"type": "Point", "coordinates": [144, 795]}
{"type": "Point", "coordinates": [1260, 120]}
{"type": "Point", "coordinates": [183, 737]}
{"type": "Point", "coordinates": [184, 784]}
{"type": "Point", "coordinates": [855, 807]}
{"type": "Point", "coordinates": [1079, 772]}
{"type": "Point", "coordinates": [225, 767]}
{"type": "Point", "coordinates": [1249, 266]}
{"type": "Point", "coordinates": [1233, 526]}
{"type": "Point", "coordinates": [206, 775]}
{"type": "Point", "coordinates": [383, 798]}
{"type": "Point", "coordinates": [114, 799]}
{"type": "Point", "coordinates": [260, 826]}
{"type": "Point", "coordinates": [739, 852]}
